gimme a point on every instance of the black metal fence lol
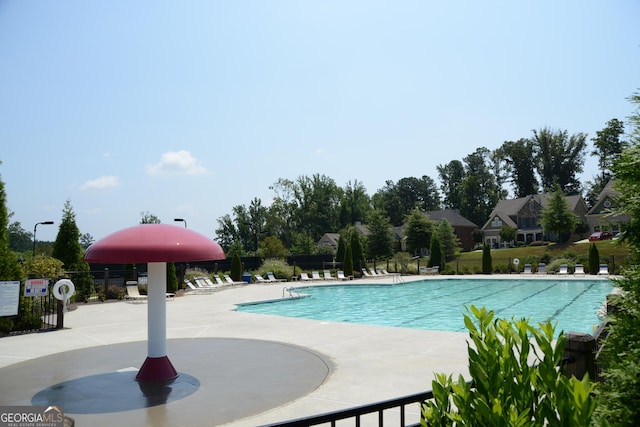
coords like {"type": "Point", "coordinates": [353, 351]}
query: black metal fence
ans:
{"type": "Point", "coordinates": [35, 314]}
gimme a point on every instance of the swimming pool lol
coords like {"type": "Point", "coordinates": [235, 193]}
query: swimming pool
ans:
{"type": "Point", "coordinates": [440, 304]}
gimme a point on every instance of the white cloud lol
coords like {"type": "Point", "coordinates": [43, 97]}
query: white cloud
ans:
{"type": "Point", "coordinates": [176, 163]}
{"type": "Point", "coordinates": [320, 152]}
{"type": "Point", "coordinates": [102, 183]}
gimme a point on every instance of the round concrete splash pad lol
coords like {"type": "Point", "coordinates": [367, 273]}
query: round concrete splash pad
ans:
{"type": "Point", "coordinates": [221, 380]}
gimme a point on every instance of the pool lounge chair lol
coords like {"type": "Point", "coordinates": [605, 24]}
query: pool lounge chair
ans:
{"type": "Point", "coordinates": [327, 275]}
{"type": "Point", "coordinates": [305, 277]}
{"type": "Point", "coordinates": [578, 270]}
{"type": "Point", "coordinates": [209, 283]}
{"type": "Point", "coordinates": [230, 281]}
{"type": "Point", "coordinates": [341, 276]}
{"type": "Point", "coordinates": [133, 294]}
{"type": "Point", "coordinates": [527, 269]}
{"type": "Point", "coordinates": [273, 278]}
{"type": "Point", "coordinates": [218, 280]}
{"type": "Point", "coordinates": [564, 269]}
{"type": "Point", "coordinates": [260, 279]}
{"type": "Point", "coordinates": [193, 289]}
{"type": "Point", "coordinates": [604, 270]}
{"type": "Point", "coordinates": [315, 275]}
{"type": "Point", "coordinates": [365, 273]}
{"type": "Point", "coordinates": [542, 268]}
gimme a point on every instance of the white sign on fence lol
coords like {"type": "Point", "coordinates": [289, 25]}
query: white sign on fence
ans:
{"type": "Point", "coordinates": [36, 287]}
{"type": "Point", "coordinates": [9, 298]}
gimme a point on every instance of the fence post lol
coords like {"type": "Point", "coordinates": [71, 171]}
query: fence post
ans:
{"type": "Point", "coordinates": [60, 312]}
{"type": "Point", "coordinates": [579, 355]}
{"type": "Point", "coordinates": [106, 280]}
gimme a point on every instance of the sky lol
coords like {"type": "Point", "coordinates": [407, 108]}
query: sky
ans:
{"type": "Point", "coordinates": [185, 109]}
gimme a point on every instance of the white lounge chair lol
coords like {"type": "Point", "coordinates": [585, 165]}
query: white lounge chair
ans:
{"type": "Point", "coordinates": [209, 283]}
{"type": "Point", "coordinates": [305, 277]}
{"type": "Point", "coordinates": [133, 293]}
{"type": "Point", "coordinates": [273, 278]}
{"type": "Point", "coordinates": [260, 279]}
{"type": "Point", "coordinates": [315, 275]}
{"type": "Point", "coordinates": [604, 270]}
{"type": "Point", "coordinates": [230, 281]}
{"type": "Point", "coordinates": [578, 270]}
{"type": "Point", "coordinates": [542, 268]}
{"type": "Point", "coordinates": [327, 275]}
{"type": "Point", "coordinates": [196, 289]}
{"type": "Point", "coordinates": [201, 283]}
{"type": "Point", "coordinates": [341, 276]}
{"type": "Point", "coordinates": [563, 269]}
{"type": "Point", "coordinates": [365, 273]}
{"type": "Point", "coordinates": [218, 280]}
{"type": "Point", "coordinates": [527, 269]}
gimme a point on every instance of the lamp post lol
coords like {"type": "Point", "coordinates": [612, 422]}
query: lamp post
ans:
{"type": "Point", "coordinates": [181, 220]}
{"type": "Point", "coordinates": [35, 227]}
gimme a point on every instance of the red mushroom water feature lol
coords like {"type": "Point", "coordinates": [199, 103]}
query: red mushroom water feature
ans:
{"type": "Point", "coordinates": [154, 244]}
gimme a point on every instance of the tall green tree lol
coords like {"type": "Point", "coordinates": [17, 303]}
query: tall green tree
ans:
{"type": "Point", "coordinates": [380, 239]}
{"type": "Point", "coordinates": [559, 159]}
{"type": "Point", "coordinates": [67, 246]}
{"type": "Point", "coordinates": [518, 165]}
{"type": "Point", "coordinates": [357, 250]}
{"type": "Point", "coordinates": [355, 204]}
{"type": "Point", "coordinates": [67, 249]}
{"type": "Point", "coordinates": [418, 231]}
{"type": "Point", "coordinates": [436, 258]}
{"type": "Point", "coordinates": [608, 146]}
{"type": "Point", "coordinates": [619, 393]}
{"type": "Point", "coordinates": [9, 266]}
{"type": "Point", "coordinates": [448, 240]}
{"type": "Point", "coordinates": [480, 191]}
{"type": "Point", "coordinates": [557, 218]}
{"type": "Point", "coordinates": [452, 177]}
{"type": "Point", "coordinates": [388, 199]}
{"type": "Point", "coordinates": [20, 240]}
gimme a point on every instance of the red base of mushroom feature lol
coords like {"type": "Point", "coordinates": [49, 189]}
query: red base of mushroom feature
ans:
{"type": "Point", "coordinates": [156, 369]}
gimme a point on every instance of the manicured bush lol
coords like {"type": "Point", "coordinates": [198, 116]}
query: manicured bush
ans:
{"type": "Point", "coordinates": [486, 259]}
{"type": "Point", "coordinates": [516, 382]}
{"type": "Point", "coordinates": [594, 259]}
{"type": "Point", "coordinates": [348, 261]}
{"type": "Point", "coordinates": [236, 268]}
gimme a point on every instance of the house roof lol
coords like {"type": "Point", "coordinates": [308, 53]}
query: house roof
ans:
{"type": "Point", "coordinates": [452, 216]}
{"type": "Point", "coordinates": [608, 192]}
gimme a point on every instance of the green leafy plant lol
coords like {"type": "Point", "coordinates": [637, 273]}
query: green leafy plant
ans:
{"type": "Point", "coordinates": [516, 380]}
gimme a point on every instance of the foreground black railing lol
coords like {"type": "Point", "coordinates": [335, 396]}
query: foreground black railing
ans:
{"type": "Point", "coordinates": [358, 412]}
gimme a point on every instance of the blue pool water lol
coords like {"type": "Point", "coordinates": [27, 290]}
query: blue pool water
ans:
{"type": "Point", "coordinates": [440, 304]}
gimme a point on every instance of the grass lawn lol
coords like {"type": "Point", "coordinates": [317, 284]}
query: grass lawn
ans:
{"type": "Point", "coordinates": [612, 252]}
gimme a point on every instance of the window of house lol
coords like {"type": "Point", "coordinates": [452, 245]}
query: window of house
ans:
{"type": "Point", "coordinates": [497, 222]}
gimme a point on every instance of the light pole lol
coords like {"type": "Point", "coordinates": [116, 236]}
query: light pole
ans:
{"type": "Point", "coordinates": [35, 227]}
{"type": "Point", "coordinates": [181, 220]}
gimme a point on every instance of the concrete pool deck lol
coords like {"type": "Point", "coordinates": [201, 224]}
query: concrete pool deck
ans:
{"type": "Point", "coordinates": [236, 369]}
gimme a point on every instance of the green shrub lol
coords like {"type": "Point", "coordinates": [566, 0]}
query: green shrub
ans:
{"type": "Point", "coordinates": [278, 267]}
{"type": "Point", "coordinates": [486, 259]}
{"type": "Point", "coordinates": [594, 259]}
{"type": "Point", "coordinates": [515, 382]}
{"type": "Point", "coordinates": [619, 393]}
{"type": "Point", "coordinates": [236, 268]}
{"type": "Point", "coordinates": [115, 292]}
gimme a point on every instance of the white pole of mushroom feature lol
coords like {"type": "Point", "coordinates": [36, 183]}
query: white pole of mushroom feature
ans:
{"type": "Point", "coordinates": [157, 364]}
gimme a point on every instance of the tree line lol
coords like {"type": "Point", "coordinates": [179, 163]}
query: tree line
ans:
{"type": "Point", "coordinates": [305, 208]}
